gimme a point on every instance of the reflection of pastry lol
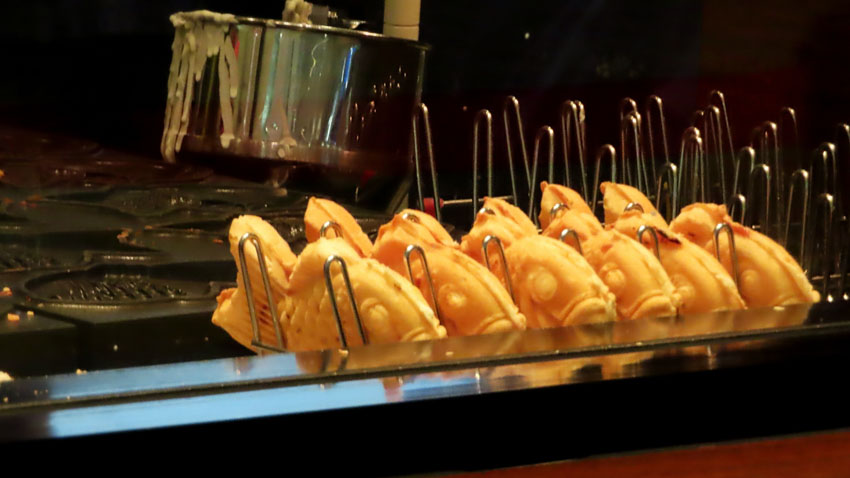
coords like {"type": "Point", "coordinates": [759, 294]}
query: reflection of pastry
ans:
{"type": "Point", "coordinates": [701, 282]}
{"type": "Point", "coordinates": [320, 211]}
{"type": "Point", "coordinates": [552, 194]}
{"type": "Point", "coordinates": [769, 276]}
{"type": "Point", "coordinates": [555, 286]}
{"type": "Point", "coordinates": [636, 331]}
{"type": "Point", "coordinates": [391, 308]}
{"type": "Point", "coordinates": [471, 299]}
{"type": "Point", "coordinates": [561, 370]}
{"type": "Point", "coordinates": [232, 313]}
{"type": "Point", "coordinates": [633, 274]}
{"type": "Point", "coordinates": [766, 318]}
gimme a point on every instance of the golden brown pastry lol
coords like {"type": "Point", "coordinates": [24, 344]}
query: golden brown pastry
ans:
{"type": "Point", "coordinates": [555, 286]}
{"type": "Point", "coordinates": [319, 211]}
{"type": "Point", "coordinates": [231, 313]}
{"type": "Point", "coordinates": [432, 225]}
{"type": "Point", "coordinates": [584, 224]}
{"type": "Point", "coordinates": [471, 299]}
{"type": "Point", "coordinates": [769, 276]}
{"type": "Point", "coordinates": [552, 194]}
{"type": "Point", "coordinates": [633, 274]}
{"type": "Point", "coordinates": [500, 207]}
{"type": "Point", "coordinates": [616, 197]}
{"type": "Point", "coordinates": [391, 309]}
{"type": "Point", "coordinates": [700, 280]}
{"type": "Point", "coordinates": [486, 224]}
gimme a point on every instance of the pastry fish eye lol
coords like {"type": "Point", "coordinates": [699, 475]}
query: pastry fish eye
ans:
{"type": "Point", "coordinates": [543, 284]}
{"type": "Point", "coordinates": [452, 297]}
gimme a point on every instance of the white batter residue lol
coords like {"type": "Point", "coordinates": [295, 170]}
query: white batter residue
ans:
{"type": "Point", "coordinates": [198, 35]}
{"type": "Point", "coordinates": [297, 11]}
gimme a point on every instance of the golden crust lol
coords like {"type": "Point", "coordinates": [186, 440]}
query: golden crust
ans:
{"type": "Point", "coordinates": [633, 274]}
{"type": "Point", "coordinates": [391, 309]}
{"type": "Point", "coordinates": [555, 286]}
{"type": "Point", "coordinates": [505, 228]}
{"type": "Point", "coordinates": [700, 280]}
{"type": "Point", "coordinates": [500, 207]}
{"type": "Point", "coordinates": [586, 225]}
{"type": "Point", "coordinates": [552, 194]}
{"type": "Point", "coordinates": [617, 196]}
{"type": "Point", "coordinates": [433, 226]}
{"type": "Point", "coordinates": [319, 211]}
{"type": "Point", "coordinates": [231, 313]}
{"type": "Point", "coordinates": [769, 276]}
{"type": "Point", "coordinates": [472, 301]}
{"type": "Point", "coordinates": [395, 236]}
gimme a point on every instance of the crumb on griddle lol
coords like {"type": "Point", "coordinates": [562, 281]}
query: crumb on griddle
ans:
{"type": "Point", "coordinates": [6, 292]}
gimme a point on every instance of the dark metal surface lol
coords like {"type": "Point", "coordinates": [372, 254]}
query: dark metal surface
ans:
{"type": "Point", "coordinates": [741, 384]}
{"type": "Point", "coordinates": [33, 344]}
{"type": "Point", "coordinates": [383, 374]}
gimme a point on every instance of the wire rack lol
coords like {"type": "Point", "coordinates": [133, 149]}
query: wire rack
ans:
{"type": "Point", "coordinates": [767, 185]}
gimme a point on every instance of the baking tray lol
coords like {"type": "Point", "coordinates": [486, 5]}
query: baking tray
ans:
{"type": "Point", "coordinates": [132, 314]}
{"type": "Point", "coordinates": [35, 344]}
{"type": "Point", "coordinates": [739, 381]}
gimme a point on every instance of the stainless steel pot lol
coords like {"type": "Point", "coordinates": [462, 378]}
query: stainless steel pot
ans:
{"type": "Point", "coordinates": [245, 92]}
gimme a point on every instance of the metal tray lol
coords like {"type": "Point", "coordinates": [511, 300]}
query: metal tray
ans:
{"type": "Point", "coordinates": [131, 314]}
{"type": "Point", "coordinates": [35, 344]}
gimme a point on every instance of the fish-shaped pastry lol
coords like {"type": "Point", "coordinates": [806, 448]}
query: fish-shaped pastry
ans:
{"type": "Point", "coordinates": [617, 197]}
{"type": "Point", "coordinates": [391, 309]}
{"type": "Point", "coordinates": [769, 276]}
{"type": "Point", "coordinates": [554, 285]}
{"type": "Point", "coordinates": [231, 313]}
{"type": "Point", "coordinates": [500, 207]}
{"type": "Point", "coordinates": [490, 223]}
{"type": "Point", "coordinates": [633, 274]}
{"type": "Point", "coordinates": [583, 223]}
{"type": "Point", "coordinates": [552, 194]}
{"type": "Point", "coordinates": [437, 231]}
{"type": "Point", "coordinates": [700, 280]}
{"type": "Point", "coordinates": [471, 299]}
{"type": "Point", "coordinates": [319, 211]}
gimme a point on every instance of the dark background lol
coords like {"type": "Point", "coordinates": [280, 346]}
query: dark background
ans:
{"type": "Point", "coordinates": [98, 69]}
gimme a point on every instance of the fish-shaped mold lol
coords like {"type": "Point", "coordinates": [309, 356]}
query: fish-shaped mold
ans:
{"type": "Point", "coordinates": [555, 286]}
{"type": "Point", "coordinates": [471, 299]}
{"type": "Point", "coordinates": [552, 194]}
{"type": "Point", "coordinates": [319, 211]}
{"type": "Point", "coordinates": [632, 274]}
{"type": "Point", "coordinates": [391, 309]}
{"type": "Point", "coordinates": [232, 313]}
{"type": "Point", "coordinates": [700, 280]}
{"type": "Point", "coordinates": [769, 276]}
